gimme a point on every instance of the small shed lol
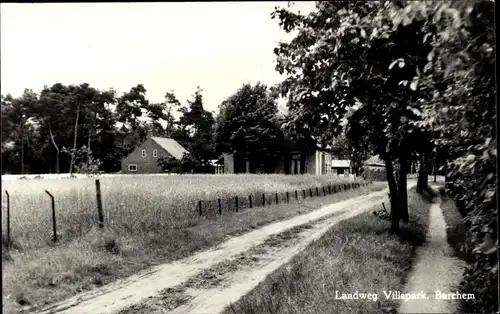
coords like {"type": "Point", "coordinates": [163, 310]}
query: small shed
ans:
{"type": "Point", "coordinates": [374, 169]}
{"type": "Point", "coordinates": [341, 167]}
{"type": "Point", "coordinates": [375, 161]}
{"type": "Point", "coordinates": [218, 165]}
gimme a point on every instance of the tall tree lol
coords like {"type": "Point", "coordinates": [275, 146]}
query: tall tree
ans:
{"type": "Point", "coordinates": [195, 131]}
{"type": "Point", "coordinates": [50, 112]}
{"type": "Point", "coordinates": [352, 55]}
{"type": "Point", "coordinates": [16, 115]}
{"type": "Point", "coordinates": [131, 105]}
{"type": "Point", "coordinates": [172, 104]}
{"type": "Point", "coordinates": [248, 125]}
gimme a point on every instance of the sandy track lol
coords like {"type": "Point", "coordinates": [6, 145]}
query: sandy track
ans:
{"type": "Point", "coordinates": [126, 293]}
{"type": "Point", "coordinates": [435, 270]}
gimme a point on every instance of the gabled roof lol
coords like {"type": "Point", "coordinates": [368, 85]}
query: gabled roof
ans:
{"type": "Point", "coordinates": [171, 146]}
{"type": "Point", "coordinates": [375, 161]}
{"type": "Point", "coordinates": [341, 163]}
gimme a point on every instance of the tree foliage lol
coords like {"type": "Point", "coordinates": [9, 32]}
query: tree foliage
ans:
{"type": "Point", "coordinates": [248, 125]}
{"type": "Point", "coordinates": [415, 81]}
{"type": "Point", "coordinates": [352, 59]}
{"type": "Point", "coordinates": [83, 129]}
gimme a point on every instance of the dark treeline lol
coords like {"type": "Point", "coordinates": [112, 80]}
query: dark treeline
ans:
{"type": "Point", "coordinates": [66, 128]}
{"type": "Point", "coordinates": [78, 128]}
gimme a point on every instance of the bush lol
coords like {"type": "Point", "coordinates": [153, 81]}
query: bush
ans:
{"type": "Point", "coordinates": [473, 188]}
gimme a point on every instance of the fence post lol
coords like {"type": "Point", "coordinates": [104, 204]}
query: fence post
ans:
{"type": "Point", "coordinates": [236, 203]}
{"type": "Point", "coordinates": [54, 228]}
{"type": "Point", "coordinates": [200, 208]}
{"type": "Point", "coordinates": [220, 207]}
{"type": "Point", "coordinates": [277, 198]}
{"type": "Point", "coordinates": [263, 199]}
{"type": "Point", "coordinates": [329, 189]}
{"type": "Point", "coordinates": [8, 218]}
{"type": "Point", "coordinates": [324, 191]}
{"type": "Point", "coordinates": [296, 195]}
{"type": "Point", "coordinates": [310, 193]}
{"type": "Point", "coordinates": [287, 197]}
{"type": "Point", "coordinates": [99, 203]}
{"type": "Point", "coordinates": [317, 191]}
{"type": "Point", "coordinates": [304, 192]}
{"type": "Point", "coordinates": [250, 200]}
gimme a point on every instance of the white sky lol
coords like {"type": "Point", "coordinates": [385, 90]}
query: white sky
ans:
{"type": "Point", "coordinates": [164, 46]}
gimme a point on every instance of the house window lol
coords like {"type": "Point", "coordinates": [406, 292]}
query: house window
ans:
{"type": "Point", "coordinates": [132, 167]}
{"type": "Point", "coordinates": [143, 153]}
{"type": "Point", "coordinates": [155, 153]}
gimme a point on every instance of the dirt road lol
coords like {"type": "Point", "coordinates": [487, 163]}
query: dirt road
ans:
{"type": "Point", "coordinates": [230, 269]}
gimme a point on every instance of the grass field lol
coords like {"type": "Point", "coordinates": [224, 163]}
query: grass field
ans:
{"type": "Point", "coordinates": [34, 276]}
{"type": "Point", "coordinates": [131, 204]}
{"type": "Point", "coordinates": [357, 255]}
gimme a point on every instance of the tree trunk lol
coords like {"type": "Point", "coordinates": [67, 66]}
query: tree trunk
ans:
{"type": "Point", "coordinates": [91, 128]}
{"type": "Point", "coordinates": [434, 171]}
{"type": "Point", "coordinates": [403, 189]}
{"type": "Point", "coordinates": [75, 137]}
{"type": "Point", "coordinates": [22, 147]}
{"type": "Point", "coordinates": [394, 197]}
{"type": "Point", "coordinates": [421, 171]}
{"type": "Point", "coordinates": [57, 149]}
{"type": "Point", "coordinates": [88, 148]}
{"type": "Point", "coordinates": [422, 174]}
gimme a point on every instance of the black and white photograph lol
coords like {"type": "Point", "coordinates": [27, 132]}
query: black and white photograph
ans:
{"type": "Point", "coordinates": [252, 157]}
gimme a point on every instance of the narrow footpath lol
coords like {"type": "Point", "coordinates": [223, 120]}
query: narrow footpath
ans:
{"type": "Point", "coordinates": [436, 271]}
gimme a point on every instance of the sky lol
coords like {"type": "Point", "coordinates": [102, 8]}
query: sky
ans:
{"type": "Point", "coordinates": [177, 46]}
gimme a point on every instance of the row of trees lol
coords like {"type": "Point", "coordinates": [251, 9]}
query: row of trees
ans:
{"type": "Point", "coordinates": [68, 128]}
{"type": "Point", "coordinates": [416, 81]}
{"type": "Point", "coordinates": [76, 127]}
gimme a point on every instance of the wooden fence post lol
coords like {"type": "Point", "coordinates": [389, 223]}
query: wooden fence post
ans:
{"type": "Point", "coordinates": [287, 197]}
{"type": "Point", "coordinates": [8, 218]}
{"type": "Point", "coordinates": [324, 191]}
{"type": "Point", "coordinates": [263, 199]}
{"type": "Point", "coordinates": [236, 203]}
{"type": "Point", "coordinates": [250, 200]}
{"type": "Point", "coordinates": [200, 208]}
{"type": "Point", "coordinates": [220, 207]}
{"type": "Point", "coordinates": [304, 192]}
{"type": "Point", "coordinates": [329, 189]}
{"type": "Point", "coordinates": [317, 191]}
{"type": "Point", "coordinates": [310, 193]}
{"type": "Point", "coordinates": [53, 205]}
{"type": "Point", "coordinates": [296, 195]}
{"type": "Point", "coordinates": [277, 201]}
{"type": "Point", "coordinates": [99, 203]}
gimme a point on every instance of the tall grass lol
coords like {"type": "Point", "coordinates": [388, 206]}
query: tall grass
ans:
{"type": "Point", "coordinates": [132, 205]}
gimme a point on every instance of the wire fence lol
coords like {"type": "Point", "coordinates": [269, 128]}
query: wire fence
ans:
{"type": "Point", "coordinates": [205, 208]}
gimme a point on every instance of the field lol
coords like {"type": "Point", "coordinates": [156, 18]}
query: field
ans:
{"type": "Point", "coordinates": [148, 221]}
{"type": "Point", "coordinates": [132, 205]}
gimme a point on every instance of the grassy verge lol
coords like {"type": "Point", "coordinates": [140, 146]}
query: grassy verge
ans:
{"type": "Point", "coordinates": [42, 276]}
{"type": "Point", "coordinates": [357, 255]}
{"type": "Point", "coordinates": [456, 234]}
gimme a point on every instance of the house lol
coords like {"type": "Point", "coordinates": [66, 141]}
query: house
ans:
{"type": "Point", "coordinates": [374, 169]}
{"type": "Point", "coordinates": [294, 160]}
{"type": "Point", "coordinates": [144, 159]}
{"type": "Point", "coordinates": [341, 167]}
{"type": "Point", "coordinates": [375, 161]}
{"type": "Point", "coordinates": [218, 165]}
